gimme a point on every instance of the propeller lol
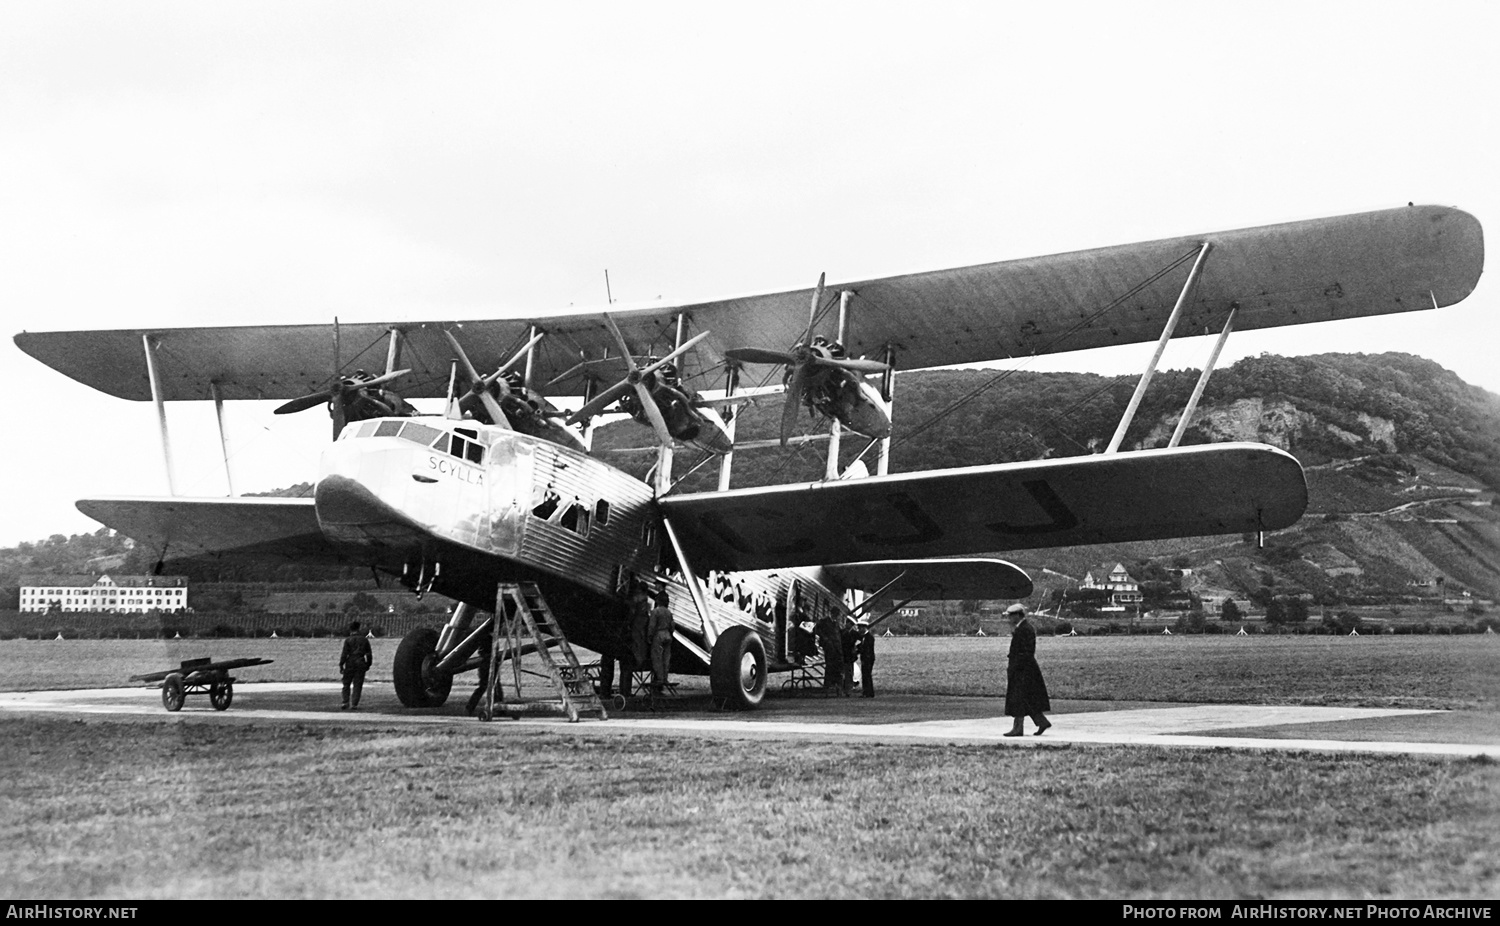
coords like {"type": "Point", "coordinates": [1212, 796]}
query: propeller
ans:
{"type": "Point", "coordinates": [346, 390]}
{"type": "Point", "coordinates": [800, 361]}
{"type": "Point", "coordinates": [480, 386]}
{"type": "Point", "coordinates": [635, 380]}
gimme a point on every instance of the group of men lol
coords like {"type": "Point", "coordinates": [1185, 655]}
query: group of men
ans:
{"type": "Point", "coordinates": [650, 628]}
{"type": "Point", "coordinates": [842, 641]}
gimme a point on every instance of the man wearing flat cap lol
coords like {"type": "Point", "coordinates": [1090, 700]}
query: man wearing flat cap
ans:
{"type": "Point", "coordinates": [1025, 691]}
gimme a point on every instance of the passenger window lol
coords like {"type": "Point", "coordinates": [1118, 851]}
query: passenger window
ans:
{"type": "Point", "coordinates": [547, 505]}
{"type": "Point", "coordinates": [601, 512]}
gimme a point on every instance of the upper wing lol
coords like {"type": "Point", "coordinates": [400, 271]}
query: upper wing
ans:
{"type": "Point", "coordinates": [936, 579]}
{"type": "Point", "coordinates": [1108, 498]}
{"type": "Point", "coordinates": [283, 529]}
{"type": "Point", "coordinates": [1396, 260]}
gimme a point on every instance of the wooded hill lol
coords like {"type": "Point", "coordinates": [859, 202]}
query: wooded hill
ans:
{"type": "Point", "coordinates": [1402, 458]}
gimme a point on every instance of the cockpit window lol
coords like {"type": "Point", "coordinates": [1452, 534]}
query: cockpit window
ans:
{"type": "Point", "coordinates": [419, 433]}
{"type": "Point", "coordinates": [428, 436]}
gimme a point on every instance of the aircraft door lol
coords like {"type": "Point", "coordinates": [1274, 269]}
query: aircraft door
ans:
{"type": "Point", "coordinates": [508, 477]}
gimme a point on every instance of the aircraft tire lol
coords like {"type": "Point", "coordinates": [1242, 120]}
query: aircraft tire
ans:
{"type": "Point", "coordinates": [737, 670]}
{"type": "Point", "coordinates": [220, 694]}
{"type": "Point", "coordinates": [173, 693]}
{"type": "Point", "coordinates": [417, 685]}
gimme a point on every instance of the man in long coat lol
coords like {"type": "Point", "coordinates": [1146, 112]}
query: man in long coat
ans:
{"type": "Point", "coordinates": [866, 660]}
{"type": "Point", "coordinates": [1025, 691]}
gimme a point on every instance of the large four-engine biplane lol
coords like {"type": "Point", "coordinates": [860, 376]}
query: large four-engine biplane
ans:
{"type": "Point", "coordinates": [500, 488]}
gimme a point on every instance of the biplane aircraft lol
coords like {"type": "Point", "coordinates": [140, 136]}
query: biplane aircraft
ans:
{"type": "Point", "coordinates": [501, 487]}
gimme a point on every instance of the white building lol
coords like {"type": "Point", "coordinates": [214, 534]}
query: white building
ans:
{"type": "Point", "coordinates": [125, 595]}
{"type": "Point", "coordinates": [1123, 590]}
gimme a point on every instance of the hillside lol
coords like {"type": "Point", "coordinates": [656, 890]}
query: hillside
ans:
{"type": "Point", "coordinates": [1402, 458]}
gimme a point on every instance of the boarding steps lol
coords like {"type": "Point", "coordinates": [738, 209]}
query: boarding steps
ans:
{"type": "Point", "coordinates": [526, 625]}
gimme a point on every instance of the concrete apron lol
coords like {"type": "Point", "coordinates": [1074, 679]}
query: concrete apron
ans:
{"type": "Point", "coordinates": [1193, 726]}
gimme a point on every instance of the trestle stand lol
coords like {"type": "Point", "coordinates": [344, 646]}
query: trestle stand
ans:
{"type": "Point", "coordinates": [524, 625]}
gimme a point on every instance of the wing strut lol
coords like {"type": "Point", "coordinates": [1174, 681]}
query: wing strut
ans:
{"type": "Point", "coordinates": [153, 371]}
{"type": "Point", "coordinates": [1161, 346]}
{"type": "Point", "coordinates": [1208, 369]}
{"type": "Point", "coordinates": [700, 601]}
{"type": "Point", "coordinates": [731, 385]}
{"type": "Point", "coordinates": [888, 390]}
{"type": "Point", "coordinates": [213, 388]}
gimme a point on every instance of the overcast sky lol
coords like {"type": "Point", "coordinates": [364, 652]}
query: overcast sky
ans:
{"type": "Point", "coordinates": [240, 163]}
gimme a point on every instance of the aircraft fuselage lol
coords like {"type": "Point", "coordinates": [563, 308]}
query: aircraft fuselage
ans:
{"type": "Point", "coordinates": [457, 507]}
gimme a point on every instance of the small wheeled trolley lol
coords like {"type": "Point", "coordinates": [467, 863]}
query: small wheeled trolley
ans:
{"type": "Point", "coordinates": [198, 676]}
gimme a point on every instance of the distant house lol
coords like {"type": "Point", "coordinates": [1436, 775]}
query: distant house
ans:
{"type": "Point", "coordinates": [1123, 590]}
{"type": "Point", "coordinates": [122, 595]}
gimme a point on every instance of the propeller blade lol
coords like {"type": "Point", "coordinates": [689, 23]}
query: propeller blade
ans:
{"type": "Point", "coordinates": [658, 423]}
{"type": "Point", "coordinates": [812, 316]}
{"type": "Point", "coordinates": [620, 339]}
{"type": "Point", "coordinates": [496, 413]}
{"type": "Point", "coordinates": [600, 402]}
{"type": "Point", "coordinates": [674, 354]}
{"type": "Point", "coordinates": [381, 379]}
{"type": "Point", "coordinates": [304, 403]}
{"type": "Point", "coordinates": [520, 355]}
{"type": "Point", "coordinates": [794, 391]}
{"type": "Point", "coordinates": [758, 355]}
{"type": "Point", "coordinates": [854, 365]}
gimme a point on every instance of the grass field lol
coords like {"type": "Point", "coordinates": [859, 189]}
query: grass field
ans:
{"type": "Point", "coordinates": [180, 808]}
{"type": "Point", "coordinates": [1423, 672]}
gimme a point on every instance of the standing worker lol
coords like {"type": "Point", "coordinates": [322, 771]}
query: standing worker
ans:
{"type": "Point", "coordinates": [866, 660]}
{"type": "Point", "coordinates": [485, 649]}
{"type": "Point", "coordinates": [1025, 691]}
{"type": "Point", "coordinates": [354, 661]}
{"type": "Point", "coordinates": [827, 633]}
{"type": "Point", "coordinates": [661, 643]}
{"type": "Point", "coordinates": [849, 643]}
{"type": "Point", "coordinates": [640, 638]}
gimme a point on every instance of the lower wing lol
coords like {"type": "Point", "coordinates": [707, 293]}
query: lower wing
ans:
{"type": "Point", "coordinates": [283, 529]}
{"type": "Point", "coordinates": [1106, 498]}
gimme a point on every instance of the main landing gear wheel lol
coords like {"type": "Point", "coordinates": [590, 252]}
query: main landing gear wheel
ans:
{"type": "Point", "coordinates": [737, 671]}
{"type": "Point", "coordinates": [418, 684]}
{"type": "Point", "coordinates": [220, 694]}
{"type": "Point", "coordinates": [173, 693]}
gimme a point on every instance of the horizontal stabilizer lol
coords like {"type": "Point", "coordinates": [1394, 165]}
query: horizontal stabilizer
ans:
{"type": "Point", "coordinates": [280, 529]}
{"type": "Point", "coordinates": [1105, 498]}
{"type": "Point", "coordinates": [936, 579]}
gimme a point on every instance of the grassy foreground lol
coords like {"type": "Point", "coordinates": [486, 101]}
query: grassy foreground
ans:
{"type": "Point", "coordinates": [152, 809]}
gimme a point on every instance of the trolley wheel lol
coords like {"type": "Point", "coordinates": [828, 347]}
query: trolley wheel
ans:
{"type": "Point", "coordinates": [417, 684]}
{"type": "Point", "coordinates": [220, 694]}
{"type": "Point", "coordinates": [173, 693]}
{"type": "Point", "coordinates": [737, 672]}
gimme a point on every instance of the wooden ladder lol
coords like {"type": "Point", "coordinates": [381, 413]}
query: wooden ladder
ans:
{"type": "Point", "coordinates": [526, 611]}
